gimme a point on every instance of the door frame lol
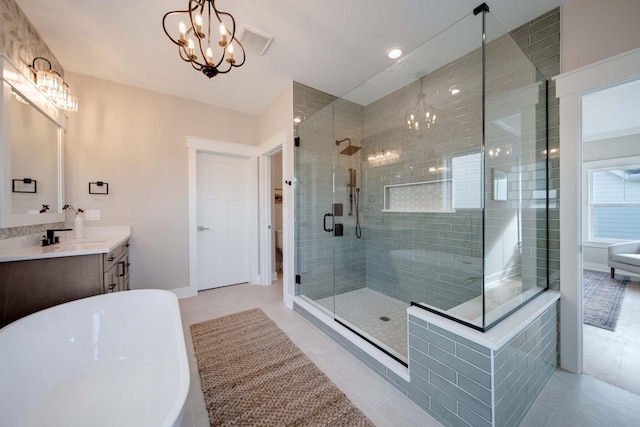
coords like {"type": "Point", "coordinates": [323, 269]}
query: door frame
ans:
{"type": "Point", "coordinates": [195, 145]}
{"type": "Point", "coordinates": [570, 87]}
{"type": "Point", "coordinates": [278, 142]}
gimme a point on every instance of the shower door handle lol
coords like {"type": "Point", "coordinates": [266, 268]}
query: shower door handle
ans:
{"type": "Point", "coordinates": [324, 223]}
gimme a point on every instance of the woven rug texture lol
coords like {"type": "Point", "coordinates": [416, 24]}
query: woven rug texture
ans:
{"type": "Point", "coordinates": [602, 299]}
{"type": "Point", "coordinates": [253, 375]}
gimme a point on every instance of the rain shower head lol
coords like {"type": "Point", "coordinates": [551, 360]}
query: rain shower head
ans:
{"type": "Point", "coordinates": [350, 149]}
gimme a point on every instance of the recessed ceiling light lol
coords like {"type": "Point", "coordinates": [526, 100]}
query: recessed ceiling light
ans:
{"type": "Point", "coordinates": [394, 54]}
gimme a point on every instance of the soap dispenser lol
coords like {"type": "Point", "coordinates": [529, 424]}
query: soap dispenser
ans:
{"type": "Point", "coordinates": [78, 227]}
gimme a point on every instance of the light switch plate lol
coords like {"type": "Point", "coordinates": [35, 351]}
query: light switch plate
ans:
{"type": "Point", "coordinates": [92, 214]}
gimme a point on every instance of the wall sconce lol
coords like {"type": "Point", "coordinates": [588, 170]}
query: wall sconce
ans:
{"type": "Point", "coordinates": [383, 157]}
{"type": "Point", "coordinates": [99, 187]}
{"type": "Point", "coordinates": [51, 84]}
{"type": "Point", "coordinates": [499, 151]}
{"type": "Point", "coordinates": [438, 169]}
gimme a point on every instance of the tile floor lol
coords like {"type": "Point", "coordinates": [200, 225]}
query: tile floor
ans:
{"type": "Point", "coordinates": [614, 357]}
{"type": "Point", "coordinates": [567, 400]}
{"type": "Point", "coordinates": [362, 309]}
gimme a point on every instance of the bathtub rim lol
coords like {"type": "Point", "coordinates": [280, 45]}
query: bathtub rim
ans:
{"type": "Point", "coordinates": [175, 413]}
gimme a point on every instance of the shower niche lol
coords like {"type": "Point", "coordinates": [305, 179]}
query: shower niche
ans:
{"type": "Point", "coordinates": [448, 218]}
{"type": "Point", "coordinates": [430, 196]}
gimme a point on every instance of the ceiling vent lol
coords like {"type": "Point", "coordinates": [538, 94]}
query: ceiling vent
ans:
{"type": "Point", "coordinates": [253, 40]}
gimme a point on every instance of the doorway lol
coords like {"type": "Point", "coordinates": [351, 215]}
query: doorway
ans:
{"type": "Point", "coordinates": [570, 89]}
{"type": "Point", "coordinates": [222, 189]}
{"type": "Point", "coordinates": [611, 216]}
{"type": "Point", "coordinates": [277, 199]}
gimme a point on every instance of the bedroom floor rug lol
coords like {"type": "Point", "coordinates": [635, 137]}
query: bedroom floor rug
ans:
{"type": "Point", "coordinates": [602, 299]}
{"type": "Point", "coordinates": [253, 375]}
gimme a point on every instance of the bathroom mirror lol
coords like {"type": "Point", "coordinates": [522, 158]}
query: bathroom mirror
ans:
{"type": "Point", "coordinates": [31, 142]}
{"type": "Point", "coordinates": [500, 185]}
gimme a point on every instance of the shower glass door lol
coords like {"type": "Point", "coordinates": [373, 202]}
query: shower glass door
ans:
{"type": "Point", "coordinates": [313, 209]}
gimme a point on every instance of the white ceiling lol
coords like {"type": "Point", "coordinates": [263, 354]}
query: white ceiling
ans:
{"type": "Point", "coordinates": [331, 45]}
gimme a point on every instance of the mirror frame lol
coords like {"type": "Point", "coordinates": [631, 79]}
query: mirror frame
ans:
{"type": "Point", "coordinates": [12, 77]}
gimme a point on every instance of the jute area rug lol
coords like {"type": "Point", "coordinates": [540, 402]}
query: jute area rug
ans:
{"type": "Point", "coordinates": [602, 299]}
{"type": "Point", "coordinates": [253, 375]}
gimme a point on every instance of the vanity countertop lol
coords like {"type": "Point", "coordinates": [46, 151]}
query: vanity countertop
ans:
{"type": "Point", "coordinates": [102, 240]}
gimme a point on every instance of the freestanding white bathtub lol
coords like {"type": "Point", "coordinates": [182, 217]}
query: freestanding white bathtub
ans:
{"type": "Point", "coordinates": [111, 360]}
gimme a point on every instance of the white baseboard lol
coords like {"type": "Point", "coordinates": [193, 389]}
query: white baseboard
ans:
{"type": "Point", "coordinates": [185, 292]}
{"type": "Point", "coordinates": [606, 269]}
{"type": "Point", "coordinates": [596, 267]}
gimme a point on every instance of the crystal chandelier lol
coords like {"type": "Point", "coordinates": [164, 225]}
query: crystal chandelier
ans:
{"type": "Point", "coordinates": [212, 54]}
{"type": "Point", "coordinates": [422, 116]}
{"type": "Point", "coordinates": [51, 84]}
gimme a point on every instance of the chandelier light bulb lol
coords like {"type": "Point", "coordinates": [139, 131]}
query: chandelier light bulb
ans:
{"type": "Point", "coordinates": [209, 55]}
{"type": "Point", "coordinates": [223, 35]}
{"type": "Point", "coordinates": [230, 59]}
{"type": "Point", "coordinates": [191, 51]}
{"type": "Point", "coordinates": [183, 32]}
{"type": "Point", "coordinates": [197, 25]}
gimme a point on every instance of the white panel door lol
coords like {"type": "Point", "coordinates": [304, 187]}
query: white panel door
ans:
{"type": "Point", "coordinates": [223, 255]}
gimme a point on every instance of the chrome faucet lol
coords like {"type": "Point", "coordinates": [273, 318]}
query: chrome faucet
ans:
{"type": "Point", "coordinates": [51, 237]}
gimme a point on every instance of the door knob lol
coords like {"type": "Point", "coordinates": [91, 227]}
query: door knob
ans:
{"type": "Point", "coordinates": [201, 228]}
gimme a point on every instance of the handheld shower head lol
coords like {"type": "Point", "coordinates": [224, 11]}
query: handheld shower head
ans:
{"type": "Point", "coordinates": [350, 149]}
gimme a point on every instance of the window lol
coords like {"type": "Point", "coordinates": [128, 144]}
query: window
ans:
{"type": "Point", "coordinates": [467, 181]}
{"type": "Point", "coordinates": [614, 203]}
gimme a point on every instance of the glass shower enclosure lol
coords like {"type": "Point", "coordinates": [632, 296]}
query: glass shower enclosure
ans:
{"type": "Point", "coordinates": [427, 185]}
